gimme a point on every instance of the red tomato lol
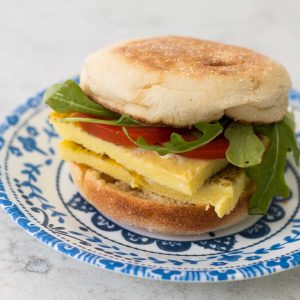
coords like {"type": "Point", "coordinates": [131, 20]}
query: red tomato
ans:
{"type": "Point", "coordinates": [213, 150]}
{"type": "Point", "coordinates": [115, 134]}
{"type": "Point", "coordinates": [155, 136]}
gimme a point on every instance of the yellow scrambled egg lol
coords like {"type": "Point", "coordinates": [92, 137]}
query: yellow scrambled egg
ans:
{"type": "Point", "coordinates": [178, 173]}
{"type": "Point", "coordinates": [222, 191]}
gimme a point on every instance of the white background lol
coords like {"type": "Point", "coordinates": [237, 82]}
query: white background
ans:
{"type": "Point", "coordinates": [42, 42]}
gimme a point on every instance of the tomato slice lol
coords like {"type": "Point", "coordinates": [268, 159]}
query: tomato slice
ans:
{"type": "Point", "coordinates": [115, 134]}
{"type": "Point", "coordinates": [213, 150]}
{"type": "Point", "coordinates": [155, 136]}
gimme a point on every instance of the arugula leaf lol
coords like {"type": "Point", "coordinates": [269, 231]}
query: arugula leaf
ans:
{"type": "Point", "coordinates": [269, 175]}
{"type": "Point", "coordinates": [67, 97]}
{"type": "Point", "coordinates": [289, 121]}
{"type": "Point", "coordinates": [124, 120]}
{"type": "Point", "coordinates": [177, 144]}
{"type": "Point", "coordinates": [245, 148]}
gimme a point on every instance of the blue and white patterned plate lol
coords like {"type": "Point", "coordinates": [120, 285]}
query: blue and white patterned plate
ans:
{"type": "Point", "coordinates": [37, 192]}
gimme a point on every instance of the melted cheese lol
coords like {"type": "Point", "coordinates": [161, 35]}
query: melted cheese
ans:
{"type": "Point", "coordinates": [222, 191]}
{"type": "Point", "coordinates": [178, 173]}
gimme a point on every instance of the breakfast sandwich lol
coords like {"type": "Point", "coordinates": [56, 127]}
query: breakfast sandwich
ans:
{"type": "Point", "coordinates": [176, 135]}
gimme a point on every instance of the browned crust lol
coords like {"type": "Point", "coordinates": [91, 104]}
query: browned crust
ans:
{"type": "Point", "coordinates": [152, 215]}
{"type": "Point", "coordinates": [192, 57]}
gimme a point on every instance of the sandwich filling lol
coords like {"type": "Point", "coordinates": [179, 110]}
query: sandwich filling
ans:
{"type": "Point", "coordinates": [209, 164]}
{"type": "Point", "coordinates": [190, 181]}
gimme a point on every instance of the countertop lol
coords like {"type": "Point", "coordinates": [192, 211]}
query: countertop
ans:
{"type": "Point", "coordinates": [44, 42]}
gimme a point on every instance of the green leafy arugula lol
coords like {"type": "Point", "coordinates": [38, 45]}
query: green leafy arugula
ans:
{"type": "Point", "coordinates": [245, 148]}
{"type": "Point", "coordinates": [268, 176]}
{"type": "Point", "coordinates": [67, 97]}
{"type": "Point", "coordinates": [123, 120]}
{"type": "Point", "coordinates": [177, 144]}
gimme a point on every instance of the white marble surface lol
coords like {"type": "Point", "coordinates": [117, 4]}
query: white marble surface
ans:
{"type": "Point", "coordinates": [43, 42]}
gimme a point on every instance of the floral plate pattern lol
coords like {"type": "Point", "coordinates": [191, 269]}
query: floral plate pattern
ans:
{"type": "Point", "coordinates": [37, 192]}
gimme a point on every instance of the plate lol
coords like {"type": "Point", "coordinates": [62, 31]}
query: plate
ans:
{"type": "Point", "coordinates": [37, 192]}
